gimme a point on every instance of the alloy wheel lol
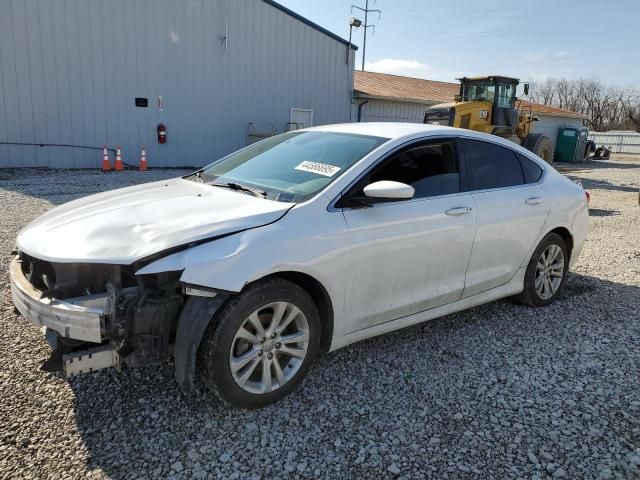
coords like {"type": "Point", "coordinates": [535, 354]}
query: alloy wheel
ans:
{"type": "Point", "coordinates": [549, 271]}
{"type": "Point", "coordinates": [269, 347]}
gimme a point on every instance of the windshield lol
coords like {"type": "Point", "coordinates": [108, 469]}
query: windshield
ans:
{"type": "Point", "coordinates": [291, 167]}
{"type": "Point", "coordinates": [481, 91]}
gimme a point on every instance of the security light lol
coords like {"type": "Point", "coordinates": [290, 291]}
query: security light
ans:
{"type": "Point", "coordinates": [354, 22]}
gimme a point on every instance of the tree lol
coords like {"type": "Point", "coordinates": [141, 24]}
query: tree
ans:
{"type": "Point", "coordinates": [606, 107]}
{"type": "Point", "coordinates": [630, 100]}
{"type": "Point", "coordinates": [568, 94]}
{"type": "Point", "coordinates": [543, 92]}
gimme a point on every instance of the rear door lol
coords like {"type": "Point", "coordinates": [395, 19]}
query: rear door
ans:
{"type": "Point", "coordinates": [511, 211]}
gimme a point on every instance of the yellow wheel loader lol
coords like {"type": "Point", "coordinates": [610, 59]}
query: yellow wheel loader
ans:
{"type": "Point", "coordinates": [488, 104]}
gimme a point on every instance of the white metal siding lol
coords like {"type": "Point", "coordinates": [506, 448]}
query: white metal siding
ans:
{"type": "Point", "coordinates": [387, 111]}
{"type": "Point", "coordinates": [620, 142]}
{"type": "Point", "coordinates": [549, 125]}
{"type": "Point", "coordinates": [70, 70]}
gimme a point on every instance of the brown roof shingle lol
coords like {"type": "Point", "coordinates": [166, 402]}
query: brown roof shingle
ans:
{"type": "Point", "coordinates": [549, 110]}
{"type": "Point", "coordinates": [417, 90]}
{"type": "Point", "coordinates": [384, 85]}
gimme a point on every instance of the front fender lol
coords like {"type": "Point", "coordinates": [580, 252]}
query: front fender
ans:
{"type": "Point", "coordinates": [194, 261]}
{"type": "Point", "coordinates": [227, 265]}
{"type": "Point", "coordinates": [230, 263]}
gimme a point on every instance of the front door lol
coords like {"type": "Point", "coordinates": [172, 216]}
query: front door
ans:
{"type": "Point", "coordinates": [411, 255]}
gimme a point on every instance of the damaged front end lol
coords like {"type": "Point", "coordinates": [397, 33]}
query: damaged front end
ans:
{"type": "Point", "coordinates": [98, 315]}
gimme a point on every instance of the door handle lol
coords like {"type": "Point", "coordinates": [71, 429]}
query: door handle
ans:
{"type": "Point", "coordinates": [457, 211]}
{"type": "Point", "coordinates": [533, 201]}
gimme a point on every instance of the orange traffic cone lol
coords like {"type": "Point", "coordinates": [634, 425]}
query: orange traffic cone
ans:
{"type": "Point", "coordinates": [106, 164]}
{"type": "Point", "coordinates": [143, 160]}
{"type": "Point", "coordinates": [119, 166]}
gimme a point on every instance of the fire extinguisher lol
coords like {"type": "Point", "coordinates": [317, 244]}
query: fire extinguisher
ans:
{"type": "Point", "coordinates": [162, 133]}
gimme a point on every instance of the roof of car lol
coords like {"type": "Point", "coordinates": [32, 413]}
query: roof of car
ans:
{"type": "Point", "coordinates": [385, 129]}
{"type": "Point", "coordinates": [398, 130]}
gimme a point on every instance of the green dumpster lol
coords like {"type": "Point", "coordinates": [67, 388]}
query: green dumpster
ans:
{"type": "Point", "coordinates": [571, 144]}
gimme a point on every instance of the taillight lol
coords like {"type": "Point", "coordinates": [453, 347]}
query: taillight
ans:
{"type": "Point", "coordinates": [588, 195]}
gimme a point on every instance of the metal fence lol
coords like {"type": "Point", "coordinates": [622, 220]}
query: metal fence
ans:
{"type": "Point", "coordinates": [619, 142]}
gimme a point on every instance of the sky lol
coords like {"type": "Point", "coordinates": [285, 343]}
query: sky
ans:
{"type": "Point", "coordinates": [446, 39]}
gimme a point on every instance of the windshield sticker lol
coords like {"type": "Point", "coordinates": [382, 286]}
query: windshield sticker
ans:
{"type": "Point", "coordinates": [319, 168]}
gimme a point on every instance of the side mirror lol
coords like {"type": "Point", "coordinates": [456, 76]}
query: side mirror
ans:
{"type": "Point", "coordinates": [526, 89]}
{"type": "Point", "coordinates": [388, 189]}
{"type": "Point", "coordinates": [457, 98]}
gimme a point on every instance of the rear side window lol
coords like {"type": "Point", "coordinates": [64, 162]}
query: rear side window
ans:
{"type": "Point", "coordinates": [491, 165]}
{"type": "Point", "coordinates": [532, 172]}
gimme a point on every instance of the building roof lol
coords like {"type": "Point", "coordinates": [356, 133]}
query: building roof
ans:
{"type": "Point", "coordinates": [403, 89]}
{"type": "Point", "coordinates": [297, 16]}
{"type": "Point", "coordinates": [384, 86]}
{"type": "Point", "coordinates": [549, 110]}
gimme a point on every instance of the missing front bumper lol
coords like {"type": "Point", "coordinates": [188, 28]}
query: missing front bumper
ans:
{"type": "Point", "coordinates": [133, 326]}
{"type": "Point", "coordinates": [68, 319]}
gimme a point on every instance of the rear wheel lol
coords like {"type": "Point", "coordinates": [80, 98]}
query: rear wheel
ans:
{"type": "Point", "coordinates": [540, 145]}
{"type": "Point", "coordinates": [261, 344]}
{"type": "Point", "coordinates": [546, 273]}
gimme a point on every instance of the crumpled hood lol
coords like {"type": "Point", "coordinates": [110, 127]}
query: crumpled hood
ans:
{"type": "Point", "coordinates": [125, 225]}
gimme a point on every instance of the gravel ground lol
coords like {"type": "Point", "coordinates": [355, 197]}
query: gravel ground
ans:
{"type": "Point", "coordinates": [500, 391]}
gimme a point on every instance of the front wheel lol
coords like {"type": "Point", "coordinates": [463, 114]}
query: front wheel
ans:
{"type": "Point", "coordinates": [261, 344]}
{"type": "Point", "coordinates": [546, 273]}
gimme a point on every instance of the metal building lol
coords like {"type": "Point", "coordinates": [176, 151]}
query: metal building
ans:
{"type": "Point", "coordinates": [380, 97]}
{"type": "Point", "coordinates": [552, 119]}
{"type": "Point", "coordinates": [217, 73]}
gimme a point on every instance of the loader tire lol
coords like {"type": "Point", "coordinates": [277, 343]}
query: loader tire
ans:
{"type": "Point", "coordinates": [540, 145]}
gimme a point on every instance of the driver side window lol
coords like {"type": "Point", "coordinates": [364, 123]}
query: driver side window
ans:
{"type": "Point", "coordinates": [431, 168]}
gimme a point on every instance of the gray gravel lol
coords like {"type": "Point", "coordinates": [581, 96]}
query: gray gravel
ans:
{"type": "Point", "coordinates": [500, 391]}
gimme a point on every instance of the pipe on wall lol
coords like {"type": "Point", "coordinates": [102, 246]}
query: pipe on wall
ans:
{"type": "Point", "coordinates": [360, 105]}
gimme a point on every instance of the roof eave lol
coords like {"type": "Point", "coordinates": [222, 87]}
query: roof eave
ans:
{"type": "Point", "coordinates": [577, 116]}
{"type": "Point", "coordinates": [297, 16]}
{"type": "Point", "coordinates": [366, 96]}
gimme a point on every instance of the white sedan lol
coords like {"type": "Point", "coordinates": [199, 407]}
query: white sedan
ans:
{"type": "Point", "coordinates": [304, 242]}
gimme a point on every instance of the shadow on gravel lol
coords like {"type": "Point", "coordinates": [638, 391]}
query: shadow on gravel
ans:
{"type": "Point", "coordinates": [604, 185]}
{"type": "Point", "coordinates": [600, 212]}
{"type": "Point", "coordinates": [497, 360]}
{"type": "Point", "coordinates": [591, 184]}
{"type": "Point", "coordinates": [594, 164]}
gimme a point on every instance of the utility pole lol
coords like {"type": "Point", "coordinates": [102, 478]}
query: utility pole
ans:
{"type": "Point", "coordinates": [366, 25]}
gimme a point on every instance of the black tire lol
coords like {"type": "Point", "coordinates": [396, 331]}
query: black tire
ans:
{"type": "Point", "coordinates": [214, 350]}
{"type": "Point", "coordinates": [529, 295]}
{"type": "Point", "coordinates": [540, 145]}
